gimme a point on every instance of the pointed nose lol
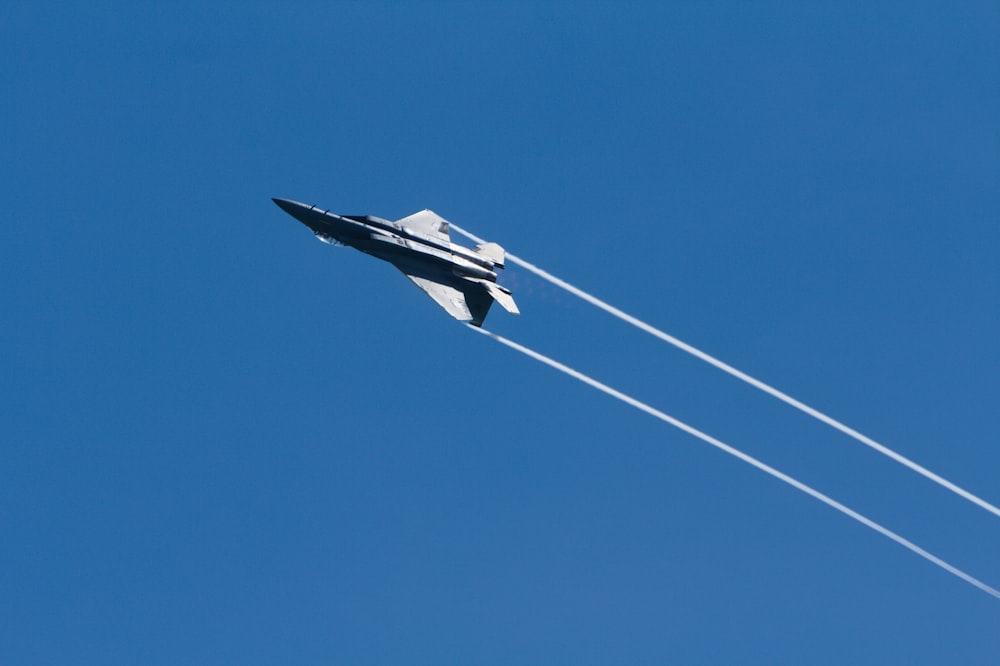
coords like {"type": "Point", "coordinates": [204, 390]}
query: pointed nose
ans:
{"type": "Point", "coordinates": [312, 217]}
{"type": "Point", "coordinates": [289, 206]}
{"type": "Point", "coordinates": [304, 213]}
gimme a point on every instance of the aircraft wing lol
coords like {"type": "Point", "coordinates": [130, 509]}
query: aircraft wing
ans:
{"type": "Point", "coordinates": [451, 299]}
{"type": "Point", "coordinates": [470, 305]}
{"type": "Point", "coordinates": [427, 223]}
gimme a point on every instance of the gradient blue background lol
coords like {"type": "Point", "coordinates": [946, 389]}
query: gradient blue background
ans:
{"type": "Point", "coordinates": [224, 442]}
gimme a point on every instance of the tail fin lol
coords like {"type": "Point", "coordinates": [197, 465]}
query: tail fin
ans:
{"type": "Point", "coordinates": [491, 251]}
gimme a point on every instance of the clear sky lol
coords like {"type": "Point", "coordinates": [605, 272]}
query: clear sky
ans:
{"type": "Point", "coordinates": [224, 442]}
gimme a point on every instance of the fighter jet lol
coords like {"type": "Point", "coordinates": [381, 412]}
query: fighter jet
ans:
{"type": "Point", "coordinates": [463, 281]}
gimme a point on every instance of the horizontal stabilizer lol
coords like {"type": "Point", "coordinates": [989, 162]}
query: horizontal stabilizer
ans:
{"type": "Point", "coordinates": [491, 251]}
{"type": "Point", "coordinates": [502, 296]}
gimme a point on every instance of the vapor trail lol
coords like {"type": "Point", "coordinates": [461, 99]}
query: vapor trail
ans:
{"type": "Point", "coordinates": [742, 376]}
{"type": "Point", "coordinates": [795, 483]}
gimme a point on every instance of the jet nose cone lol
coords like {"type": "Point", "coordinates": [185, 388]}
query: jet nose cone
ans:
{"type": "Point", "coordinates": [304, 213]}
{"type": "Point", "coordinates": [317, 220]}
{"type": "Point", "coordinates": [287, 205]}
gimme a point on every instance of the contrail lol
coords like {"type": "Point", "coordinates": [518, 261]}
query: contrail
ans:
{"type": "Point", "coordinates": [752, 381]}
{"type": "Point", "coordinates": [795, 483]}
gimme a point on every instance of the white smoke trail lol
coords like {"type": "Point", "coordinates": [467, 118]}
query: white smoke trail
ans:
{"type": "Point", "coordinates": [795, 483]}
{"type": "Point", "coordinates": [756, 383]}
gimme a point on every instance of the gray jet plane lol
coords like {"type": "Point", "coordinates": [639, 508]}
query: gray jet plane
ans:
{"type": "Point", "coordinates": [461, 280]}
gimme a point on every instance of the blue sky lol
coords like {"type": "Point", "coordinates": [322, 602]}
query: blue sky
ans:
{"type": "Point", "coordinates": [224, 442]}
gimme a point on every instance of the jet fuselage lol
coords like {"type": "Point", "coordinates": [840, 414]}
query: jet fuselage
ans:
{"type": "Point", "coordinates": [461, 280]}
{"type": "Point", "coordinates": [407, 249]}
